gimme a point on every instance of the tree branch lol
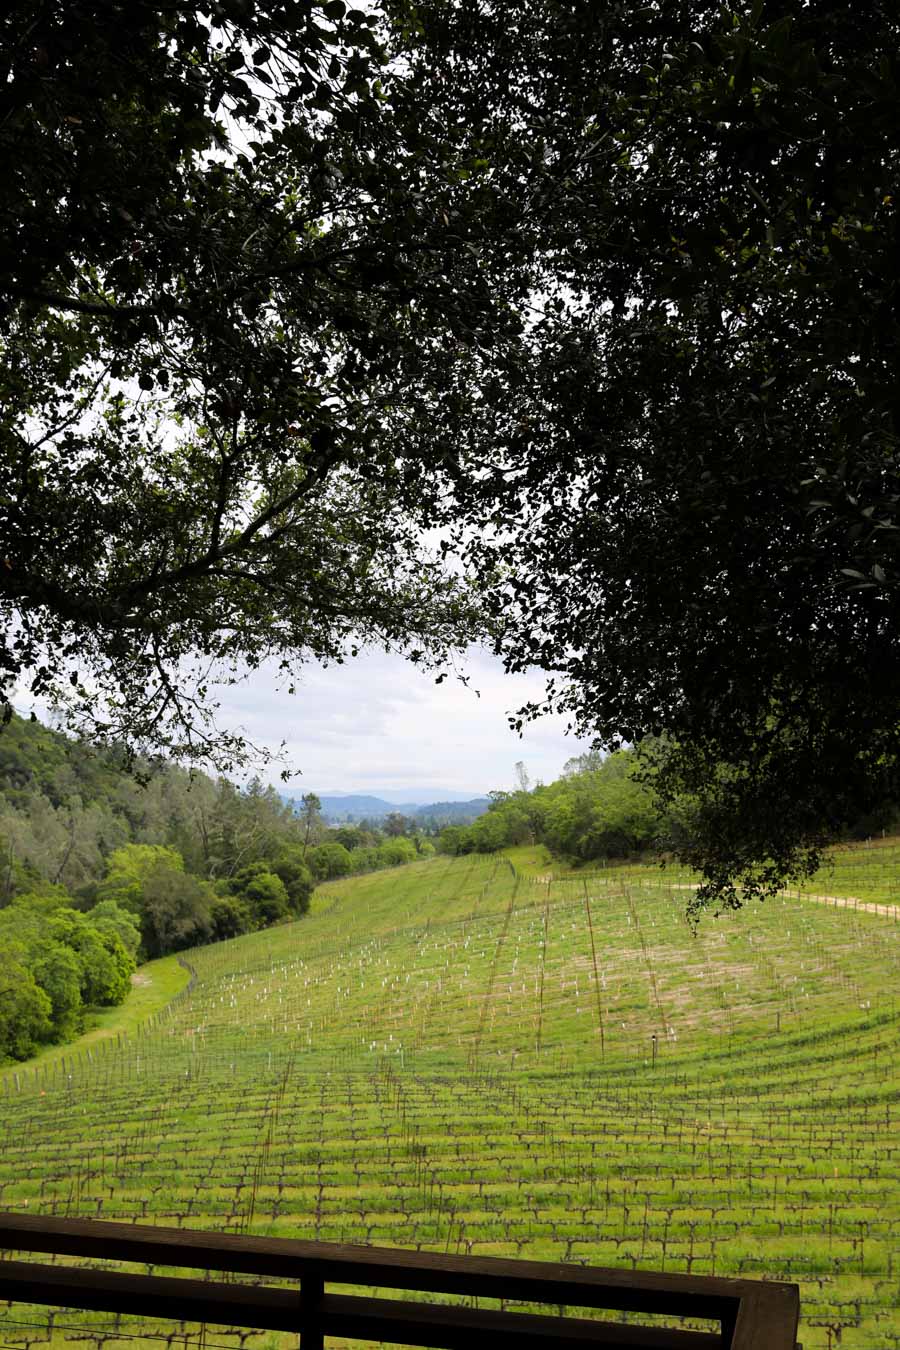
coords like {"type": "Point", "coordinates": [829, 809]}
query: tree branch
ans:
{"type": "Point", "coordinates": [242, 541]}
{"type": "Point", "coordinates": [76, 305]}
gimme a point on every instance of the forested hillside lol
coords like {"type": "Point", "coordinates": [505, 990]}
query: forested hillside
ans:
{"type": "Point", "coordinates": [103, 864]}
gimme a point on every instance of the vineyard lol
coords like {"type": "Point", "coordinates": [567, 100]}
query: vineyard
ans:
{"type": "Point", "coordinates": [467, 1055]}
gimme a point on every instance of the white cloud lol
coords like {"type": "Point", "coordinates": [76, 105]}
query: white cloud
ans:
{"type": "Point", "coordinates": [378, 722]}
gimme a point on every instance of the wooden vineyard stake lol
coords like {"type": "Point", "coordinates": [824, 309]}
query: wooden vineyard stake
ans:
{"type": "Point", "coordinates": [587, 905]}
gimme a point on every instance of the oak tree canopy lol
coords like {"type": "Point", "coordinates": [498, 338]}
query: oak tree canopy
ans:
{"type": "Point", "coordinates": [233, 268]}
{"type": "Point", "coordinates": [608, 293]}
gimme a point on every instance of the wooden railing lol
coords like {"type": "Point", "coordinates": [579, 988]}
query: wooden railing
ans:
{"type": "Point", "coordinates": [752, 1315]}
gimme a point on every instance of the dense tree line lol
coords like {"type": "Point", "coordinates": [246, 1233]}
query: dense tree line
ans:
{"type": "Point", "coordinates": [602, 807]}
{"type": "Point", "coordinates": [598, 809]}
{"type": "Point", "coordinates": [363, 848]}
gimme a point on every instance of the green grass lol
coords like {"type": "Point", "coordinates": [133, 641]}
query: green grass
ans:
{"type": "Point", "coordinates": [459, 1056]}
{"type": "Point", "coordinates": [535, 861]}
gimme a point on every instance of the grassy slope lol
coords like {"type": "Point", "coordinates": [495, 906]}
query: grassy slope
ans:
{"type": "Point", "coordinates": [869, 872]}
{"type": "Point", "coordinates": [420, 1062]}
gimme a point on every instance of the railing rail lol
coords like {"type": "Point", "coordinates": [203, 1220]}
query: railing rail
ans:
{"type": "Point", "coordinates": [752, 1314]}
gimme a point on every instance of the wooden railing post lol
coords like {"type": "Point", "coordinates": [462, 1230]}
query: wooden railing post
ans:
{"type": "Point", "coordinates": [312, 1291]}
{"type": "Point", "coordinates": [753, 1314]}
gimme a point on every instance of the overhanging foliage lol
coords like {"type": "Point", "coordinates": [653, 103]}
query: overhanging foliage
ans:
{"type": "Point", "coordinates": [608, 292]}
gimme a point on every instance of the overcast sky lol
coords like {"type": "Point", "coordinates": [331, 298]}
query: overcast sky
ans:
{"type": "Point", "coordinates": [378, 723]}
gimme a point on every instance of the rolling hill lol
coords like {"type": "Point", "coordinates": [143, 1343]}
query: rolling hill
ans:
{"type": "Point", "coordinates": [476, 1055]}
{"type": "Point", "coordinates": [349, 807]}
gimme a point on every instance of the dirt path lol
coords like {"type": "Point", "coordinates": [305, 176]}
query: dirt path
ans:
{"type": "Point", "coordinates": [848, 902]}
{"type": "Point", "coordinates": [840, 901]}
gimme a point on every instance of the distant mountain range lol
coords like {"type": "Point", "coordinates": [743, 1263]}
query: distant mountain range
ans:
{"type": "Point", "coordinates": [405, 797]}
{"type": "Point", "coordinates": [339, 808]}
